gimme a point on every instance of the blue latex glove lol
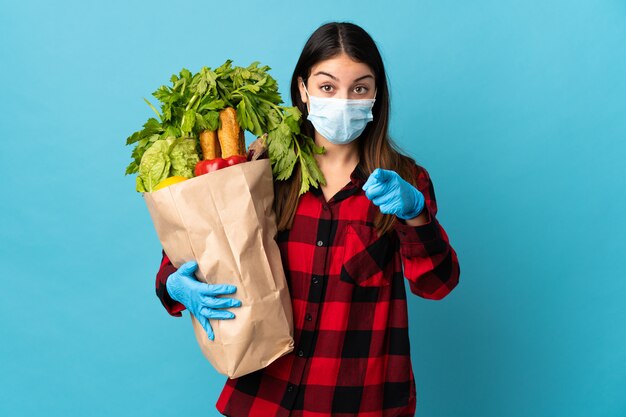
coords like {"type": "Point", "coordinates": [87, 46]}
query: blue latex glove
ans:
{"type": "Point", "coordinates": [393, 195]}
{"type": "Point", "coordinates": [200, 298]}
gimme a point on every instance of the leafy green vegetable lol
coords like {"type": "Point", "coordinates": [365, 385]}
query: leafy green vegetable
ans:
{"type": "Point", "coordinates": [192, 104]}
{"type": "Point", "coordinates": [155, 165]}
{"type": "Point", "coordinates": [184, 157]}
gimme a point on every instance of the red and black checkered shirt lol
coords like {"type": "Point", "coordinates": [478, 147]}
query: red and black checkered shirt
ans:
{"type": "Point", "coordinates": [352, 354]}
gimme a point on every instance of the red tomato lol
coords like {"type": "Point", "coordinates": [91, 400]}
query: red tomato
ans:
{"type": "Point", "coordinates": [236, 159]}
{"type": "Point", "coordinates": [210, 165]}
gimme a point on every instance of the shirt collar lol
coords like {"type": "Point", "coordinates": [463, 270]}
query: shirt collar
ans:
{"type": "Point", "coordinates": [357, 179]}
{"type": "Point", "coordinates": [358, 175]}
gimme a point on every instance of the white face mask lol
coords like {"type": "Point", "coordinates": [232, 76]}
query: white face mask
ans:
{"type": "Point", "coordinates": [337, 119]}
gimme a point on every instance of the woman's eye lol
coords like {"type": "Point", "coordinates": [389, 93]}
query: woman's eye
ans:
{"type": "Point", "coordinates": [360, 89]}
{"type": "Point", "coordinates": [326, 88]}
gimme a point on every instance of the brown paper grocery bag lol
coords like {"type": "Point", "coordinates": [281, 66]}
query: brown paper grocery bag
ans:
{"type": "Point", "coordinates": [225, 221]}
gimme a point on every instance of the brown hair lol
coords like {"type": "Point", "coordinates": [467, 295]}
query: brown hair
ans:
{"type": "Point", "coordinates": [376, 149]}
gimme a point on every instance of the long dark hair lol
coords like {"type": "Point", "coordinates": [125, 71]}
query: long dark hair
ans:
{"type": "Point", "coordinates": [376, 149]}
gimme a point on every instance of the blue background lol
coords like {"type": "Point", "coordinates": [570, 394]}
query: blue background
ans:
{"type": "Point", "coordinates": [516, 108]}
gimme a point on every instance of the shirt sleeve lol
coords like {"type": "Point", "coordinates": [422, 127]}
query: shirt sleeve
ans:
{"type": "Point", "coordinates": [165, 270]}
{"type": "Point", "coordinates": [430, 263]}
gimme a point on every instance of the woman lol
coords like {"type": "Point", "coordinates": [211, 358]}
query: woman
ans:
{"type": "Point", "coordinates": [346, 248]}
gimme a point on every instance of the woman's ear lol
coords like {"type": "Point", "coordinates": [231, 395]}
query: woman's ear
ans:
{"type": "Point", "coordinates": [303, 96]}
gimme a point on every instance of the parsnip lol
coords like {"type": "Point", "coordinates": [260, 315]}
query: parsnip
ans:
{"type": "Point", "coordinates": [230, 134]}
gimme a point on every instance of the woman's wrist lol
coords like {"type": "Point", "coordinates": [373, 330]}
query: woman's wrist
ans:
{"type": "Point", "coordinates": [419, 220]}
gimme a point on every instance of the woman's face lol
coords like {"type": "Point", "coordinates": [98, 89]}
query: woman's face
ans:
{"type": "Point", "coordinates": [339, 77]}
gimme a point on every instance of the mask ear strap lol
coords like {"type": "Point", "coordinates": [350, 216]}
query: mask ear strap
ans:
{"type": "Point", "coordinates": [308, 95]}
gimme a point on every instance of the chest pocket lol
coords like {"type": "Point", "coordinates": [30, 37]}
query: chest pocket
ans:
{"type": "Point", "coordinates": [368, 258]}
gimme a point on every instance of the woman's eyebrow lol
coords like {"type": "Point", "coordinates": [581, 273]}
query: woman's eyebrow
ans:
{"type": "Point", "coordinates": [337, 79]}
{"type": "Point", "coordinates": [327, 74]}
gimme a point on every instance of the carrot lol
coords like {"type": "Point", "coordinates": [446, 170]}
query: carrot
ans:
{"type": "Point", "coordinates": [209, 144]}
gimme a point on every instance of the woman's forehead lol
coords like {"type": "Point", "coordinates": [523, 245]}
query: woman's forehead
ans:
{"type": "Point", "coordinates": [341, 67]}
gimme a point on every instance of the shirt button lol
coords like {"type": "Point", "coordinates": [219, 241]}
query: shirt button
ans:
{"type": "Point", "coordinates": [320, 243]}
{"type": "Point", "coordinates": [289, 387]}
{"type": "Point", "coordinates": [316, 280]}
{"type": "Point", "coordinates": [308, 317]}
{"type": "Point", "coordinates": [301, 353]}
{"type": "Point", "coordinates": [325, 207]}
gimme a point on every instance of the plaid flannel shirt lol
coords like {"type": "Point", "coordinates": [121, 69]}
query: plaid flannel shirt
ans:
{"type": "Point", "coordinates": [352, 352]}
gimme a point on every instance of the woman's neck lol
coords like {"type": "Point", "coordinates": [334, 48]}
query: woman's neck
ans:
{"type": "Point", "coordinates": [336, 156]}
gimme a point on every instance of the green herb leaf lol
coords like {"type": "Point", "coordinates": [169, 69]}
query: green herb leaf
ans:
{"type": "Point", "coordinates": [212, 120]}
{"type": "Point", "coordinates": [188, 122]}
